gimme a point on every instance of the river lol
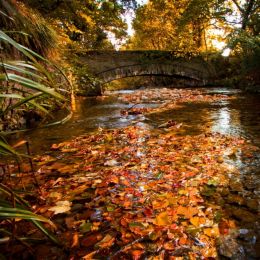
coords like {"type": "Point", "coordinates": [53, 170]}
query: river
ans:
{"type": "Point", "coordinates": [238, 115]}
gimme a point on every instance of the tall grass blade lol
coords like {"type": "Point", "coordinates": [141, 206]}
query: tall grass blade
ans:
{"type": "Point", "coordinates": [28, 53]}
{"type": "Point", "coordinates": [46, 232]}
{"type": "Point", "coordinates": [33, 85]}
{"type": "Point", "coordinates": [6, 190]}
{"type": "Point", "coordinates": [7, 149]}
{"type": "Point", "coordinates": [21, 70]}
{"type": "Point", "coordinates": [6, 38]}
{"type": "Point", "coordinates": [8, 212]}
{"type": "Point", "coordinates": [23, 100]}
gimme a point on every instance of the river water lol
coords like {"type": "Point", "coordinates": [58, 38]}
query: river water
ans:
{"type": "Point", "coordinates": [239, 116]}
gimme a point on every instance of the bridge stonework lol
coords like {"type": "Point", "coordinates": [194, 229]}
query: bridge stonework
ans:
{"type": "Point", "coordinates": [106, 66]}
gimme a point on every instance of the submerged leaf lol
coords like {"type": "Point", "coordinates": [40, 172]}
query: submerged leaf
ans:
{"type": "Point", "coordinates": [85, 227]}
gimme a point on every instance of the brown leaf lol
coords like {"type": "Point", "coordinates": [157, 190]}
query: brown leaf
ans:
{"type": "Point", "coordinates": [91, 240]}
{"type": "Point", "coordinates": [70, 222]}
{"type": "Point", "coordinates": [107, 241]}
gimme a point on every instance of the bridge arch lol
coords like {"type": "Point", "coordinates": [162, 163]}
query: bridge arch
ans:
{"type": "Point", "coordinates": [106, 66]}
{"type": "Point", "coordinates": [151, 69]}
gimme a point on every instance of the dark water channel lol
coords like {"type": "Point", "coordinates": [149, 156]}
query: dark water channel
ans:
{"type": "Point", "coordinates": [239, 116]}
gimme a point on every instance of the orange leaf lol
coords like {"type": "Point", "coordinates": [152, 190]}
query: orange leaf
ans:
{"type": "Point", "coordinates": [183, 241]}
{"type": "Point", "coordinates": [137, 254]}
{"type": "Point", "coordinates": [169, 245]}
{"type": "Point", "coordinates": [89, 256]}
{"type": "Point", "coordinates": [75, 240]}
{"type": "Point", "coordinates": [158, 204]}
{"type": "Point", "coordinates": [187, 212]}
{"type": "Point", "coordinates": [127, 204]}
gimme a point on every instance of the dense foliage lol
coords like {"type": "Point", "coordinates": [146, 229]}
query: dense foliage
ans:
{"type": "Point", "coordinates": [88, 22]}
{"type": "Point", "coordinates": [239, 20]}
{"type": "Point", "coordinates": [192, 25]}
{"type": "Point", "coordinates": [156, 27]}
{"type": "Point", "coordinates": [27, 27]}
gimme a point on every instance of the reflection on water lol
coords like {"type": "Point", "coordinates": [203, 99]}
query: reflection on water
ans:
{"type": "Point", "coordinates": [222, 120]}
{"type": "Point", "coordinates": [227, 121]}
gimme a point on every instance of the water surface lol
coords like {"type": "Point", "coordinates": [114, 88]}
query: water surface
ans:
{"type": "Point", "coordinates": [239, 116]}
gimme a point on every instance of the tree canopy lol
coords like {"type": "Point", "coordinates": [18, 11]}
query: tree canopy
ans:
{"type": "Point", "coordinates": [191, 25]}
{"type": "Point", "coordinates": [87, 21]}
{"type": "Point", "coordinates": [239, 19]}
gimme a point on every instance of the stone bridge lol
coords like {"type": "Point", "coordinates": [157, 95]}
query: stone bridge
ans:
{"type": "Point", "coordinates": [106, 66]}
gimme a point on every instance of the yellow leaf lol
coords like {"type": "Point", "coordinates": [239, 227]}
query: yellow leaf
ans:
{"type": "Point", "coordinates": [209, 252]}
{"type": "Point", "coordinates": [162, 219]}
{"type": "Point", "coordinates": [69, 150]}
{"type": "Point", "coordinates": [197, 221]}
{"type": "Point", "coordinates": [61, 207]}
{"type": "Point", "coordinates": [211, 232]}
{"type": "Point", "coordinates": [184, 192]}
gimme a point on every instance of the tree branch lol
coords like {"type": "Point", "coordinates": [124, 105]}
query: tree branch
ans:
{"type": "Point", "coordinates": [238, 6]}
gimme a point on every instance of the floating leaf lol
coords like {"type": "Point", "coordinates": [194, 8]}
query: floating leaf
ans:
{"type": "Point", "coordinates": [111, 163]}
{"type": "Point", "coordinates": [61, 207]}
{"type": "Point", "coordinates": [136, 224]}
{"type": "Point", "coordinates": [213, 182]}
{"type": "Point", "coordinates": [107, 241]}
{"type": "Point", "coordinates": [110, 208]}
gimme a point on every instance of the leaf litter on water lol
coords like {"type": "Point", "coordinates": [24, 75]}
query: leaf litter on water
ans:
{"type": "Point", "coordinates": [125, 197]}
{"type": "Point", "coordinates": [129, 193]}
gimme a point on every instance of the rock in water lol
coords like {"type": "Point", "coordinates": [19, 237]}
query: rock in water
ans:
{"type": "Point", "coordinates": [228, 247]}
